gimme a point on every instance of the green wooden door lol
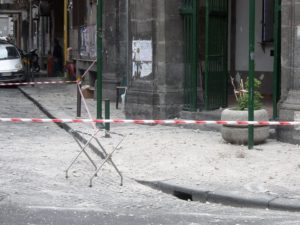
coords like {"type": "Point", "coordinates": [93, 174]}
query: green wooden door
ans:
{"type": "Point", "coordinates": [189, 12]}
{"type": "Point", "coordinates": [216, 51]}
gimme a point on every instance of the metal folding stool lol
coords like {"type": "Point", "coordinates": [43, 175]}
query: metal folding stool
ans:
{"type": "Point", "coordinates": [106, 157]}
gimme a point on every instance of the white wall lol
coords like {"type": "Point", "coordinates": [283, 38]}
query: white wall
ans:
{"type": "Point", "coordinates": [263, 60]}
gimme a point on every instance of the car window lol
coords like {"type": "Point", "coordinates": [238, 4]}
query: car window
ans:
{"type": "Point", "coordinates": [9, 52]}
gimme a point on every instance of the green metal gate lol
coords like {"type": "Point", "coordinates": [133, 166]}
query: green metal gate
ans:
{"type": "Point", "coordinates": [216, 51]}
{"type": "Point", "coordinates": [189, 12]}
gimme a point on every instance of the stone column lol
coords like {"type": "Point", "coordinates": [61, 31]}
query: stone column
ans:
{"type": "Point", "coordinates": [160, 94]}
{"type": "Point", "coordinates": [289, 105]}
{"type": "Point", "coordinates": [123, 51]}
{"type": "Point", "coordinates": [110, 48]}
{"type": "Point", "coordinates": [169, 58]}
{"type": "Point", "coordinates": [141, 91]}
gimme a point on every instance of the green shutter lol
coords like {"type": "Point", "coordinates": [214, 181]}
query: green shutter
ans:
{"type": "Point", "coordinates": [216, 51]}
{"type": "Point", "coordinates": [189, 12]}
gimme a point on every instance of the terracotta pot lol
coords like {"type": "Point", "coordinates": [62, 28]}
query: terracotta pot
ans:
{"type": "Point", "coordinates": [239, 134]}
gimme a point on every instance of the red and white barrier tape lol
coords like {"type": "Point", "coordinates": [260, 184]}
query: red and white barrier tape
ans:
{"type": "Point", "coordinates": [178, 122]}
{"type": "Point", "coordinates": [36, 83]}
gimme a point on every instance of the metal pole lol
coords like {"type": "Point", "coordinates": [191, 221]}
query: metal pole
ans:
{"type": "Point", "coordinates": [78, 101]}
{"type": "Point", "coordinates": [65, 31]}
{"type": "Point", "coordinates": [30, 26]}
{"type": "Point", "coordinates": [128, 44]}
{"type": "Point", "coordinates": [99, 58]}
{"type": "Point", "coordinates": [251, 72]}
{"type": "Point", "coordinates": [194, 55]}
{"type": "Point", "coordinates": [38, 34]}
{"type": "Point", "coordinates": [277, 61]}
{"type": "Point", "coordinates": [107, 116]}
{"type": "Point", "coordinates": [207, 5]}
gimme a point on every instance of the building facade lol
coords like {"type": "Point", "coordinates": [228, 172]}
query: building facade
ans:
{"type": "Point", "coordinates": [289, 104]}
{"type": "Point", "coordinates": [196, 46]}
{"type": "Point", "coordinates": [176, 56]}
{"type": "Point", "coordinates": [34, 24]}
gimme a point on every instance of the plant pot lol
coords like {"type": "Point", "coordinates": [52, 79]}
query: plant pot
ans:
{"type": "Point", "coordinates": [235, 134]}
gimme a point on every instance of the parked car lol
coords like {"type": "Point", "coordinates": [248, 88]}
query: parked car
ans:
{"type": "Point", "coordinates": [11, 67]}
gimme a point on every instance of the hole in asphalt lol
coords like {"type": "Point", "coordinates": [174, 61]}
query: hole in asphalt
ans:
{"type": "Point", "coordinates": [183, 196]}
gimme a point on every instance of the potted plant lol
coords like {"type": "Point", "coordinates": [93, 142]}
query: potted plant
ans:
{"type": "Point", "coordinates": [238, 134]}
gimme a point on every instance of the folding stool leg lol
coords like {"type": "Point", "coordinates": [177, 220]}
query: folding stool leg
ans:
{"type": "Point", "coordinates": [82, 150]}
{"type": "Point", "coordinates": [85, 152]}
{"type": "Point", "coordinates": [111, 161]}
{"type": "Point", "coordinates": [108, 158]}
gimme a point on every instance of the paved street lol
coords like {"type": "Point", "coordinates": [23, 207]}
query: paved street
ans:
{"type": "Point", "coordinates": [205, 216]}
{"type": "Point", "coordinates": [33, 188]}
{"type": "Point", "coordinates": [178, 80]}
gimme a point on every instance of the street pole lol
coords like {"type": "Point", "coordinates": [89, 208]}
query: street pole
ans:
{"type": "Point", "coordinates": [65, 31]}
{"type": "Point", "coordinates": [107, 117]}
{"type": "Point", "coordinates": [195, 55]}
{"type": "Point", "coordinates": [99, 58]}
{"type": "Point", "coordinates": [251, 72]}
{"type": "Point", "coordinates": [30, 26]}
{"type": "Point", "coordinates": [277, 60]}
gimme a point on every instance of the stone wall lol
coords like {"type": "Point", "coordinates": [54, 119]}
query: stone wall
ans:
{"type": "Point", "coordinates": [123, 47]}
{"type": "Point", "coordinates": [160, 94]}
{"type": "Point", "coordinates": [289, 105]}
{"type": "Point", "coordinates": [111, 46]}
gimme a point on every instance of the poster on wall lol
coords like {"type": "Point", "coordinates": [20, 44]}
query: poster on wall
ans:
{"type": "Point", "coordinates": [142, 58]}
{"type": "Point", "coordinates": [88, 41]}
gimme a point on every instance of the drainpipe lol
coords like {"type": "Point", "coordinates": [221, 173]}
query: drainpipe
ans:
{"type": "Point", "coordinates": [251, 72]}
{"type": "Point", "coordinates": [99, 57]}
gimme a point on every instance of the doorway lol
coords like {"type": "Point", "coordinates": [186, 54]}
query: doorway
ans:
{"type": "Point", "coordinates": [216, 54]}
{"type": "Point", "coordinates": [220, 48]}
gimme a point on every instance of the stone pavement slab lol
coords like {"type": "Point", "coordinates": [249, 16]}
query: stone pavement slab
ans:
{"type": "Point", "coordinates": [190, 162]}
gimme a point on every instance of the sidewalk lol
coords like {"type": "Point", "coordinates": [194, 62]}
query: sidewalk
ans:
{"type": "Point", "coordinates": [190, 163]}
